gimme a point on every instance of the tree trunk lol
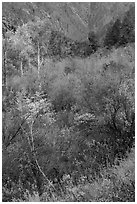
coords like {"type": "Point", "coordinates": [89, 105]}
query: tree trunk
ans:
{"type": "Point", "coordinates": [39, 65]}
{"type": "Point", "coordinates": [34, 163]}
{"type": "Point", "coordinates": [21, 68]}
{"type": "Point", "coordinates": [5, 70]}
{"type": "Point", "coordinates": [38, 60]}
{"type": "Point", "coordinates": [39, 175]}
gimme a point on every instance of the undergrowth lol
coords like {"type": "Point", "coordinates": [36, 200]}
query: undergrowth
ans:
{"type": "Point", "coordinates": [115, 184]}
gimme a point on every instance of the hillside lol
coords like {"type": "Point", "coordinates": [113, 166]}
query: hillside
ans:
{"type": "Point", "coordinates": [68, 102]}
{"type": "Point", "coordinates": [66, 16]}
{"type": "Point", "coordinates": [75, 20]}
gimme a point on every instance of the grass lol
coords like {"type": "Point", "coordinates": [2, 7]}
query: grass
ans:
{"type": "Point", "coordinates": [116, 184]}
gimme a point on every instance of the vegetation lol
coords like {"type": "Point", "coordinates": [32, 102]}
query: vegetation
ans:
{"type": "Point", "coordinates": [122, 31]}
{"type": "Point", "coordinates": [68, 113]}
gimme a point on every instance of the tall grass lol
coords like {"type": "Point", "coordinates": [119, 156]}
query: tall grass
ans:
{"type": "Point", "coordinates": [116, 184]}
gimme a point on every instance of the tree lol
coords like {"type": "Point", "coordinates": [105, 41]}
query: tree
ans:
{"type": "Point", "coordinates": [22, 45]}
{"type": "Point", "coordinates": [127, 32]}
{"type": "Point", "coordinates": [112, 37]}
{"type": "Point", "coordinates": [31, 109]}
{"type": "Point", "coordinates": [54, 48]}
{"type": "Point", "coordinates": [93, 41]}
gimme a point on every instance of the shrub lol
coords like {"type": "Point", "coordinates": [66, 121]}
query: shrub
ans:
{"type": "Point", "coordinates": [62, 94]}
{"type": "Point", "coordinates": [61, 46]}
{"type": "Point", "coordinates": [93, 41]}
{"type": "Point", "coordinates": [115, 185]}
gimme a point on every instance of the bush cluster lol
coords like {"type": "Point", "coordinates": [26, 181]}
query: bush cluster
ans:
{"type": "Point", "coordinates": [61, 46]}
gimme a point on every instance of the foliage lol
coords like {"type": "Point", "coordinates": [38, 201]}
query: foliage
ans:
{"type": "Point", "coordinates": [122, 31]}
{"type": "Point", "coordinates": [111, 187]}
{"type": "Point", "coordinates": [68, 114]}
{"type": "Point", "coordinates": [60, 46]}
{"type": "Point", "coordinates": [128, 27]}
{"type": "Point", "coordinates": [113, 35]}
{"type": "Point", "coordinates": [93, 40]}
{"type": "Point", "coordinates": [33, 107]}
{"type": "Point", "coordinates": [116, 184]}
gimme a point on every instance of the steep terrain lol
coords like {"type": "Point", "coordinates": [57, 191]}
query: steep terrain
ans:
{"type": "Point", "coordinates": [68, 102]}
{"type": "Point", "coordinates": [74, 19]}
